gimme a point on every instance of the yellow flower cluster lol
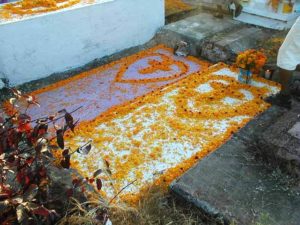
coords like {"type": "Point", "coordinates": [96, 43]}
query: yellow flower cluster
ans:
{"type": "Point", "coordinates": [251, 59]}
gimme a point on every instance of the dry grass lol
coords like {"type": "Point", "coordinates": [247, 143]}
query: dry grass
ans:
{"type": "Point", "coordinates": [155, 207]}
{"type": "Point", "coordinates": [272, 45]}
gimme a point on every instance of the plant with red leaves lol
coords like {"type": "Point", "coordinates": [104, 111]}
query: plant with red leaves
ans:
{"type": "Point", "coordinates": [24, 157]}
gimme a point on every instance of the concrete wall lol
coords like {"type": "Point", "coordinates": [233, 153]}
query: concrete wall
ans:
{"type": "Point", "coordinates": [36, 47]}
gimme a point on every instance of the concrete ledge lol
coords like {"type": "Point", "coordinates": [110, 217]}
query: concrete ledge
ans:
{"type": "Point", "coordinates": [36, 47]}
{"type": "Point", "coordinates": [233, 187]}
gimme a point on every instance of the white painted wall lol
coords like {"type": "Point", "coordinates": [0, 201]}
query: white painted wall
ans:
{"type": "Point", "coordinates": [36, 47]}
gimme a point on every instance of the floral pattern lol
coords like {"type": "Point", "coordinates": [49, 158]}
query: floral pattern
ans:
{"type": "Point", "coordinates": [185, 111]}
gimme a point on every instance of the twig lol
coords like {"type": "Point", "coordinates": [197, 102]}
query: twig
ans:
{"type": "Point", "coordinates": [121, 191]}
{"type": "Point", "coordinates": [14, 127]}
{"type": "Point", "coordinates": [57, 117]}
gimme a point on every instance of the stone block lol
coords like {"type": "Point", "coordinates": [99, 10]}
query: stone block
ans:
{"type": "Point", "coordinates": [195, 30]}
{"type": "Point", "coordinates": [201, 26]}
{"type": "Point", "coordinates": [279, 144]}
{"type": "Point", "coordinates": [223, 47]}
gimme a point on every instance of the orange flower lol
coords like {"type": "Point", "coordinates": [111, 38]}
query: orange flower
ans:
{"type": "Point", "coordinates": [251, 59]}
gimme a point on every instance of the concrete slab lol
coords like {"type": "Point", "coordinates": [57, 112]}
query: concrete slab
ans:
{"type": "Point", "coordinates": [224, 46]}
{"type": "Point", "coordinates": [231, 185]}
{"type": "Point", "coordinates": [217, 40]}
{"type": "Point", "coordinates": [201, 26]}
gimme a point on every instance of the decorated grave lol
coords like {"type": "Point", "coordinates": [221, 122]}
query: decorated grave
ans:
{"type": "Point", "coordinates": [39, 38]}
{"type": "Point", "coordinates": [151, 116]}
{"type": "Point", "coordinates": [275, 14]}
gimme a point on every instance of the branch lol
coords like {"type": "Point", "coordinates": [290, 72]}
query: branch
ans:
{"type": "Point", "coordinates": [132, 182]}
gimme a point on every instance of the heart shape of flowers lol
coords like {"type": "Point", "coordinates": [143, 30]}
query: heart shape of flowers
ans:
{"type": "Point", "coordinates": [149, 73]}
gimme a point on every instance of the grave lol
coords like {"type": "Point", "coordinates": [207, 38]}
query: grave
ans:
{"type": "Point", "coordinates": [280, 15]}
{"type": "Point", "coordinates": [152, 115]}
{"type": "Point", "coordinates": [35, 46]}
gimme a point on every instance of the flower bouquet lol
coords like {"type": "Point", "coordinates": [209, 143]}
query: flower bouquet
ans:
{"type": "Point", "coordinates": [250, 61]}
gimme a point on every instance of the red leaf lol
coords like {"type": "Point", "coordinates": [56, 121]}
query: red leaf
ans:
{"type": "Point", "coordinates": [23, 118]}
{"type": "Point", "coordinates": [20, 177]}
{"type": "Point", "coordinates": [4, 196]}
{"type": "Point", "coordinates": [40, 129]}
{"type": "Point", "coordinates": [43, 172]}
{"type": "Point", "coordinates": [27, 180]}
{"type": "Point", "coordinates": [92, 180]}
{"type": "Point", "coordinates": [29, 161]}
{"type": "Point", "coordinates": [42, 211]}
{"type": "Point", "coordinates": [51, 117]}
{"type": "Point", "coordinates": [24, 123]}
{"type": "Point", "coordinates": [24, 128]}
{"type": "Point", "coordinates": [99, 183]}
{"type": "Point", "coordinates": [70, 192]}
{"type": "Point", "coordinates": [65, 163]}
{"type": "Point", "coordinates": [65, 152]}
{"type": "Point", "coordinates": [76, 182]}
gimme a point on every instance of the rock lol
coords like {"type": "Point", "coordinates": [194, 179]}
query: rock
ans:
{"type": "Point", "coordinates": [194, 30]}
{"type": "Point", "coordinates": [182, 49]}
{"type": "Point", "coordinates": [279, 145]}
{"type": "Point", "coordinates": [215, 53]}
{"type": "Point", "coordinates": [223, 47]}
{"type": "Point", "coordinates": [60, 183]}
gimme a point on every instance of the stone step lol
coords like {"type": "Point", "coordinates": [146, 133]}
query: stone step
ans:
{"type": "Point", "coordinates": [223, 47]}
{"type": "Point", "coordinates": [234, 187]}
{"type": "Point", "coordinates": [266, 22]}
{"type": "Point", "coordinates": [195, 30]}
{"type": "Point", "coordinates": [212, 38]}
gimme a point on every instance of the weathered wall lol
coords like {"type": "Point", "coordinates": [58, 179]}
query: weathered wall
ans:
{"type": "Point", "coordinates": [36, 47]}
